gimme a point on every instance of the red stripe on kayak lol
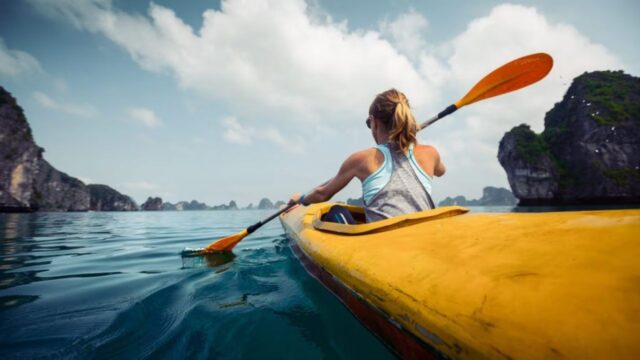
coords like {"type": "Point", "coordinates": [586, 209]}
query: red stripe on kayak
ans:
{"type": "Point", "coordinates": [403, 343]}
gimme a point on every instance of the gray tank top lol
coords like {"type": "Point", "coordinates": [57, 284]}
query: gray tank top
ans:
{"type": "Point", "coordinates": [403, 193]}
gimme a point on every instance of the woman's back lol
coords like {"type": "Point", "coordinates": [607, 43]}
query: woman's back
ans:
{"type": "Point", "coordinates": [397, 183]}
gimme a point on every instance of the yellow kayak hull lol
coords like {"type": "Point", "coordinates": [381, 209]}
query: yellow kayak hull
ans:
{"type": "Point", "coordinates": [484, 285]}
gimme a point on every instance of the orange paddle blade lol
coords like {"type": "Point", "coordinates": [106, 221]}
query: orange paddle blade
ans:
{"type": "Point", "coordinates": [509, 77]}
{"type": "Point", "coordinates": [226, 243]}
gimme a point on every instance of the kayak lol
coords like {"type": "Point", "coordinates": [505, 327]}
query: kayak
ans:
{"type": "Point", "coordinates": [445, 283]}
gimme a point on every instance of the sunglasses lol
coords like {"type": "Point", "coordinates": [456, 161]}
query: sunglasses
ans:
{"type": "Point", "coordinates": [368, 122]}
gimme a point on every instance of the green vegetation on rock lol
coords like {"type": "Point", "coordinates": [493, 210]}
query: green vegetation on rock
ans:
{"type": "Point", "coordinates": [614, 91]}
{"type": "Point", "coordinates": [532, 148]}
{"type": "Point", "coordinates": [623, 176]}
{"type": "Point", "coordinates": [529, 146]}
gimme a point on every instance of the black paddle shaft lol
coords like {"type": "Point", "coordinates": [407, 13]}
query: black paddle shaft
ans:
{"type": "Point", "coordinates": [443, 113]}
{"type": "Point", "coordinates": [257, 225]}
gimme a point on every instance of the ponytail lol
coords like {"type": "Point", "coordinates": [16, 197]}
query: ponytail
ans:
{"type": "Point", "coordinates": [392, 108]}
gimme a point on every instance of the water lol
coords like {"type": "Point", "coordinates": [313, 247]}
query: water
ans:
{"type": "Point", "coordinates": [113, 285]}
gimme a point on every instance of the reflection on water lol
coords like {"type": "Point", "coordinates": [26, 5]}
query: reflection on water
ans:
{"type": "Point", "coordinates": [15, 300]}
{"type": "Point", "coordinates": [113, 285]}
{"type": "Point", "coordinates": [213, 260]}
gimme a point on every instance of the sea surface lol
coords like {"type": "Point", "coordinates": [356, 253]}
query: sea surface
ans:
{"type": "Point", "coordinates": [113, 285]}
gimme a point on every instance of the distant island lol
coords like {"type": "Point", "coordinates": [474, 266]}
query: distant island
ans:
{"type": "Point", "coordinates": [491, 196]}
{"type": "Point", "coordinates": [589, 151]}
{"type": "Point", "coordinates": [156, 204]}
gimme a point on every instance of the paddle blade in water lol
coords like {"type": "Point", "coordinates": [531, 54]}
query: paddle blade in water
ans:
{"type": "Point", "coordinates": [227, 243]}
{"type": "Point", "coordinates": [223, 245]}
{"type": "Point", "coordinates": [509, 77]}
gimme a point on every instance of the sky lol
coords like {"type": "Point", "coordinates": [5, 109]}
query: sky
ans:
{"type": "Point", "coordinates": [244, 99]}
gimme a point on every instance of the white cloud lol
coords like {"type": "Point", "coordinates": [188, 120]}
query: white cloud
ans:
{"type": "Point", "coordinates": [237, 133]}
{"type": "Point", "coordinates": [84, 111]}
{"type": "Point", "coordinates": [145, 117]}
{"type": "Point", "coordinates": [513, 31]}
{"type": "Point", "coordinates": [16, 62]}
{"type": "Point", "coordinates": [259, 56]}
{"type": "Point", "coordinates": [510, 31]}
{"type": "Point", "coordinates": [406, 33]}
{"type": "Point", "coordinates": [60, 85]}
{"type": "Point", "coordinates": [292, 144]}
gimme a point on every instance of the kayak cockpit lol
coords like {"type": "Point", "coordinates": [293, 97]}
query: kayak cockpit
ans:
{"type": "Point", "coordinates": [384, 225]}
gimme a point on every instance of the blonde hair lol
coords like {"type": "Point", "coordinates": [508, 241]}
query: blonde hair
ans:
{"type": "Point", "coordinates": [392, 109]}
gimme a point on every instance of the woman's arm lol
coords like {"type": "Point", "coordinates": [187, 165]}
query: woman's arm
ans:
{"type": "Point", "coordinates": [325, 191]}
{"type": "Point", "coordinates": [439, 169]}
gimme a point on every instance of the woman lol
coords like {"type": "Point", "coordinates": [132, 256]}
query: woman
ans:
{"type": "Point", "coordinates": [396, 175]}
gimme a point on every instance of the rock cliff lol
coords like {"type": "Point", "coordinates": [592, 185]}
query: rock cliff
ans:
{"type": "Point", "coordinates": [589, 151]}
{"type": "Point", "coordinates": [265, 204]}
{"type": "Point", "coordinates": [193, 205]}
{"type": "Point", "coordinates": [491, 196]}
{"type": "Point", "coordinates": [105, 198]}
{"type": "Point", "coordinates": [167, 206]}
{"type": "Point", "coordinates": [232, 206]}
{"type": "Point", "coordinates": [152, 204]}
{"type": "Point", "coordinates": [27, 181]}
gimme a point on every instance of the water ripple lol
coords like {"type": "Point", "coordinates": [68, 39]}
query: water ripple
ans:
{"type": "Point", "coordinates": [112, 285]}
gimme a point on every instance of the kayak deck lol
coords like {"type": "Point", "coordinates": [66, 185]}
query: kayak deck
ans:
{"type": "Point", "coordinates": [500, 285]}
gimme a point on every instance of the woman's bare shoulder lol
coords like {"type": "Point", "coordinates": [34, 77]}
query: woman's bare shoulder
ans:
{"type": "Point", "coordinates": [363, 154]}
{"type": "Point", "coordinates": [364, 162]}
{"type": "Point", "coordinates": [427, 150]}
{"type": "Point", "coordinates": [361, 157]}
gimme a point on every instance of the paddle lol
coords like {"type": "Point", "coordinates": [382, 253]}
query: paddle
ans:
{"type": "Point", "coordinates": [507, 78]}
{"type": "Point", "coordinates": [228, 243]}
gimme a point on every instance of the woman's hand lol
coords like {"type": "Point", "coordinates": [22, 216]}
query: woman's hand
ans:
{"type": "Point", "coordinates": [295, 198]}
